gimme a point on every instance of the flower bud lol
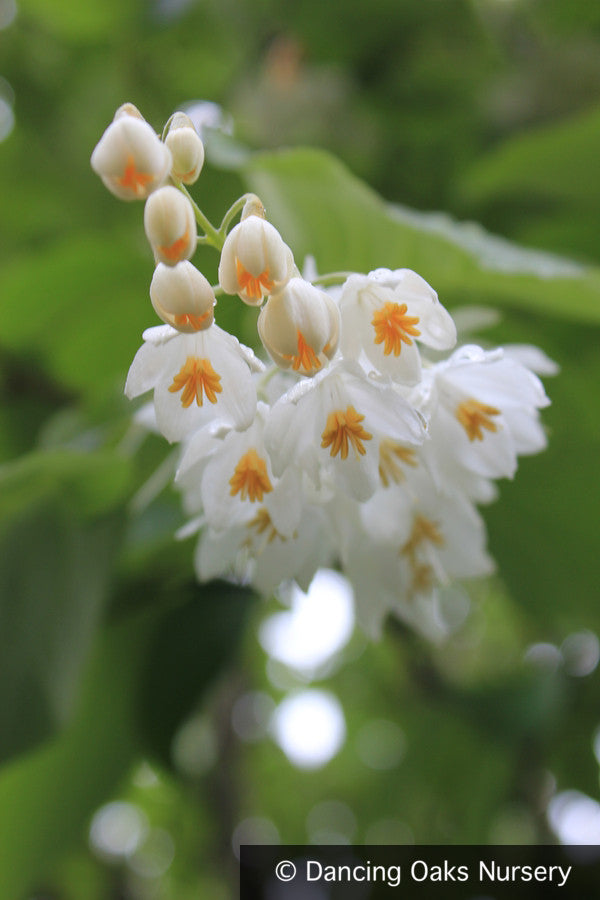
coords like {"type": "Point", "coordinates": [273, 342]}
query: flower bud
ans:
{"type": "Point", "coordinates": [299, 327]}
{"type": "Point", "coordinates": [170, 225]}
{"type": "Point", "coordinates": [182, 297]}
{"type": "Point", "coordinates": [128, 109]}
{"type": "Point", "coordinates": [130, 158]}
{"type": "Point", "coordinates": [255, 261]}
{"type": "Point", "coordinates": [186, 149]}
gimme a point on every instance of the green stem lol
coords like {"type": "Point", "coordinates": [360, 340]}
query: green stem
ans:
{"type": "Point", "coordinates": [212, 235]}
{"type": "Point", "coordinates": [166, 128]}
{"type": "Point", "coordinates": [232, 213]}
{"type": "Point", "coordinates": [332, 278]}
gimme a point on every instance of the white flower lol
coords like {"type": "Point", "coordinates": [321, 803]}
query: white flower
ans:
{"type": "Point", "coordinates": [232, 478]}
{"type": "Point", "coordinates": [186, 148]}
{"type": "Point", "coordinates": [483, 409]}
{"type": "Point", "coordinates": [407, 542]}
{"type": "Point", "coordinates": [170, 225]}
{"type": "Point", "coordinates": [384, 314]}
{"type": "Point", "coordinates": [182, 297]}
{"type": "Point", "coordinates": [196, 452]}
{"type": "Point", "coordinates": [254, 261]}
{"type": "Point", "coordinates": [335, 423]}
{"type": "Point", "coordinates": [197, 379]}
{"type": "Point", "coordinates": [299, 326]}
{"type": "Point", "coordinates": [130, 158]}
{"type": "Point", "coordinates": [255, 552]}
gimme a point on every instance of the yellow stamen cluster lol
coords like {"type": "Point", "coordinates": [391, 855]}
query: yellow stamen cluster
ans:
{"type": "Point", "coordinates": [135, 181]}
{"type": "Point", "coordinates": [424, 530]}
{"type": "Point", "coordinates": [391, 454]}
{"type": "Point", "coordinates": [306, 359]}
{"type": "Point", "coordinates": [250, 479]}
{"type": "Point", "coordinates": [393, 327]}
{"type": "Point", "coordinates": [474, 416]}
{"type": "Point", "coordinates": [254, 286]}
{"type": "Point", "coordinates": [196, 323]}
{"type": "Point", "coordinates": [176, 251]}
{"type": "Point", "coordinates": [344, 429]}
{"type": "Point", "coordinates": [196, 378]}
{"type": "Point", "coordinates": [261, 524]}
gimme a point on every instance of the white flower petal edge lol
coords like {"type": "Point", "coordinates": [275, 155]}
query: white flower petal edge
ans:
{"type": "Point", "coordinates": [197, 378]}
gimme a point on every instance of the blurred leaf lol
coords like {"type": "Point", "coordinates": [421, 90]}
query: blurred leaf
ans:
{"type": "Point", "coordinates": [46, 797]}
{"type": "Point", "coordinates": [90, 483]}
{"type": "Point", "coordinates": [551, 563]}
{"type": "Point", "coordinates": [322, 210]}
{"type": "Point", "coordinates": [81, 21]}
{"type": "Point", "coordinates": [543, 185]}
{"type": "Point", "coordinates": [80, 309]}
{"type": "Point", "coordinates": [59, 536]}
{"type": "Point", "coordinates": [193, 642]}
{"type": "Point", "coordinates": [548, 162]}
{"type": "Point", "coordinates": [572, 758]}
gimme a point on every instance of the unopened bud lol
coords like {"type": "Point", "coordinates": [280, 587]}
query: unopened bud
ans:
{"type": "Point", "coordinates": [170, 225]}
{"type": "Point", "coordinates": [299, 327]}
{"type": "Point", "coordinates": [128, 109]}
{"type": "Point", "coordinates": [253, 207]}
{"type": "Point", "coordinates": [255, 261]}
{"type": "Point", "coordinates": [130, 158]}
{"type": "Point", "coordinates": [186, 148]}
{"type": "Point", "coordinates": [182, 297]}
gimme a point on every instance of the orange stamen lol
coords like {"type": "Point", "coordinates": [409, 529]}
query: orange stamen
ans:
{"type": "Point", "coordinates": [133, 180]}
{"type": "Point", "coordinates": [393, 327]}
{"type": "Point", "coordinates": [195, 322]}
{"type": "Point", "coordinates": [262, 524]}
{"type": "Point", "coordinates": [175, 251]}
{"type": "Point", "coordinates": [250, 479]}
{"type": "Point", "coordinates": [196, 377]}
{"type": "Point", "coordinates": [391, 454]}
{"type": "Point", "coordinates": [474, 416]}
{"type": "Point", "coordinates": [422, 579]}
{"type": "Point", "coordinates": [423, 530]}
{"type": "Point", "coordinates": [254, 286]}
{"type": "Point", "coordinates": [343, 429]}
{"type": "Point", "coordinates": [306, 359]}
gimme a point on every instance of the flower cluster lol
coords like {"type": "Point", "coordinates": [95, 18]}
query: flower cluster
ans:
{"type": "Point", "coordinates": [366, 443]}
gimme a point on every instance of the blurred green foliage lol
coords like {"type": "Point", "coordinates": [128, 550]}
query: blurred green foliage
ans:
{"type": "Point", "coordinates": [485, 109]}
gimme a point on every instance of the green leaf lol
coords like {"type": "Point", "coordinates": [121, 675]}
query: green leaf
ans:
{"type": "Point", "coordinates": [59, 537]}
{"type": "Point", "coordinates": [193, 642]}
{"type": "Point", "coordinates": [79, 22]}
{"type": "Point", "coordinates": [322, 210]}
{"type": "Point", "coordinates": [550, 562]}
{"type": "Point", "coordinates": [46, 797]}
{"type": "Point", "coordinates": [91, 483]}
{"type": "Point", "coordinates": [546, 163]}
{"type": "Point", "coordinates": [542, 186]}
{"type": "Point", "coordinates": [80, 309]}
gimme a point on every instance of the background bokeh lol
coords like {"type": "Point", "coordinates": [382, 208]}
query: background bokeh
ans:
{"type": "Point", "coordinates": [149, 725]}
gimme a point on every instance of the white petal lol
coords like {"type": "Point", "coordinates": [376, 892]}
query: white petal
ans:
{"type": "Point", "coordinates": [435, 324]}
{"type": "Point", "coordinates": [285, 504]}
{"type": "Point", "coordinates": [145, 370]}
{"type": "Point", "coordinates": [532, 358]}
{"type": "Point", "coordinates": [492, 457]}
